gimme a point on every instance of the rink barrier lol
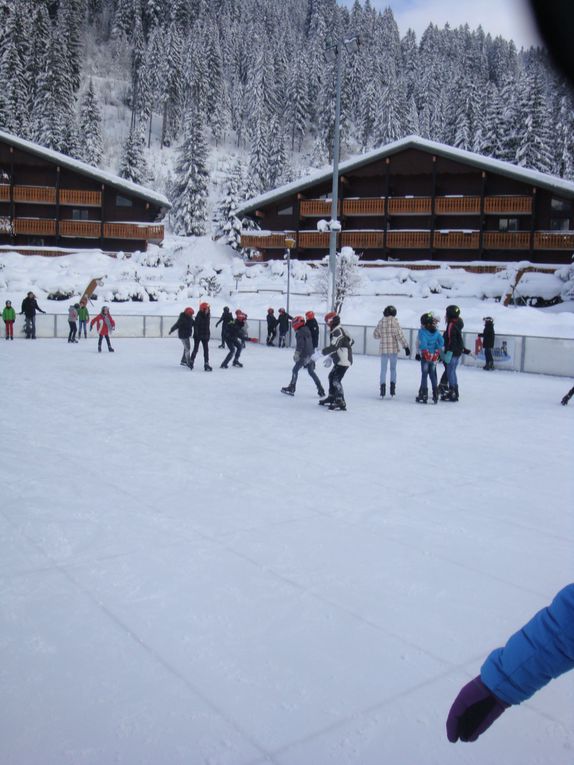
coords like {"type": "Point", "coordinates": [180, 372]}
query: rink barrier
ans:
{"type": "Point", "coordinates": [518, 353]}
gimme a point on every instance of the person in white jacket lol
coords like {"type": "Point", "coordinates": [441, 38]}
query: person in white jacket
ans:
{"type": "Point", "coordinates": [340, 353]}
{"type": "Point", "coordinates": [391, 337]}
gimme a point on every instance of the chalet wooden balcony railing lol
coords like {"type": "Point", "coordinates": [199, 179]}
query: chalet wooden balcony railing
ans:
{"type": "Point", "coordinates": [409, 205]}
{"type": "Point", "coordinates": [35, 226]}
{"type": "Point", "coordinates": [314, 240]}
{"type": "Point", "coordinates": [456, 240]}
{"type": "Point", "coordinates": [366, 206]}
{"type": "Point", "coordinates": [83, 229]}
{"type": "Point", "coordinates": [408, 240]}
{"type": "Point", "coordinates": [264, 242]}
{"type": "Point", "coordinates": [363, 239]}
{"type": "Point", "coordinates": [506, 240]}
{"type": "Point", "coordinates": [80, 197]}
{"type": "Point", "coordinates": [4, 192]}
{"type": "Point", "coordinates": [457, 205]}
{"type": "Point", "coordinates": [145, 232]}
{"type": "Point", "coordinates": [39, 195]}
{"type": "Point", "coordinates": [506, 204]}
{"type": "Point", "coordinates": [316, 208]}
{"type": "Point", "coordinates": [551, 240]}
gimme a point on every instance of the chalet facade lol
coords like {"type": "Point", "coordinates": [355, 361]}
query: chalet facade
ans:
{"type": "Point", "coordinates": [419, 200]}
{"type": "Point", "coordinates": [50, 202]}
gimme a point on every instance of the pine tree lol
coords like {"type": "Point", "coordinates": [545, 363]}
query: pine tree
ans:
{"type": "Point", "coordinates": [133, 165]}
{"type": "Point", "coordinates": [227, 225]}
{"type": "Point", "coordinates": [190, 189]}
{"type": "Point", "coordinates": [90, 127]}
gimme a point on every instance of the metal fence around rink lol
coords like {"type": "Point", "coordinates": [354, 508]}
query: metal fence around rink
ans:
{"type": "Point", "coordinates": [519, 353]}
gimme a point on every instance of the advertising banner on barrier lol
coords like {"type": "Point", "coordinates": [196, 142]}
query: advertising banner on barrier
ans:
{"type": "Point", "coordinates": [504, 352]}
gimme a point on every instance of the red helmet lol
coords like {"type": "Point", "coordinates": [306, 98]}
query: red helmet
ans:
{"type": "Point", "coordinates": [281, 310]}
{"type": "Point", "coordinates": [239, 312]}
{"type": "Point", "coordinates": [309, 315]}
{"type": "Point", "coordinates": [298, 322]}
{"type": "Point", "coordinates": [204, 307]}
{"type": "Point", "coordinates": [270, 310]}
{"type": "Point", "coordinates": [189, 311]}
{"type": "Point", "coordinates": [240, 315]}
{"type": "Point", "coordinates": [332, 319]}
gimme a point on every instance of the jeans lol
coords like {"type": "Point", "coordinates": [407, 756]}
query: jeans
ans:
{"type": "Point", "coordinates": [310, 367]}
{"type": "Point", "coordinates": [488, 357]}
{"type": "Point", "coordinates": [204, 341]}
{"type": "Point", "coordinates": [335, 386]}
{"type": "Point", "coordinates": [385, 359]}
{"type": "Point", "coordinates": [235, 347]}
{"type": "Point", "coordinates": [451, 371]}
{"type": "Point", "coordinates": [72, 332]}
{"type": "Point", "coordinates": [428, 369]}
{"type": "Point", "coordinates": [30, 326]}
{"type": "Point", "coordinates": [186, 349]}
{"type": "Point", "coordinates": [83, 323]}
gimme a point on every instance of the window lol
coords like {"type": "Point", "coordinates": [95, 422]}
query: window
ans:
{"type": "Point", "coordinates": [508, 224]}
{"type": "Point", "coordinates": [559, 224]}
{"type": "Point", "coordinates": [560, 205]}
{"type": "Point", "coordinates": [285, 210]}
{"type": "Point", "coordinates": [123, 201]}
{"type": "Point", "coordinates": [79, 214]}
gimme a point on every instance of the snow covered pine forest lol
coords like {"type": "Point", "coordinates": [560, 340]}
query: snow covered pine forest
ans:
{"type": "Point", "coordinates": [214, 102]}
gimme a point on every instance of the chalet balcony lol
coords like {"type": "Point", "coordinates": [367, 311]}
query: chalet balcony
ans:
{"type": "Point", "coordinates": [409, 205]}
{"type": "Point", "coordinates": [367, 240]}
{"type": "Point", "coordinates": [35, 226]}
{"type": "Point", "coordinates": [457, 205]}
{"type": "Point", "coordinates": [264, 240]}
{"type": "Point", "coordinates": [39, 195]}
{"type": "Point", "coordinates": [551, 240]}
{"type": "Point", "coordinates": [314, 240]}
{"type": "Point", "coordinates": [143, 231]}
{"type": "Point", "coordinates": [4, 192]}
{"type": "Point", "coordinates": [364, 207]}
{"type": "Point", "coordinates": [408, 240]}
{"type": "Point", "coordinates": [456, 240]}
{"type": "Point", "coordinates": [504, 205]}
{"type": "Point", "coordinates": [316, 208]}
{"type": "Point", "coordinates": [506, 240]}
{"type": "Point", "coordinates": [80, 198]}
{"type": "Point", "coordinates": [81, 229]}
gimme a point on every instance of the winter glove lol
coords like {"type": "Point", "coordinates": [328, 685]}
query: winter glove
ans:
{"type": "Point", "coordinates": [427, 355]}
{"type": "Point", "coordinates": [407, 351]}
{"type": "Point", "coordinates": [317, 355]}
{"type": "Point", "coordinates": [417, 357]}
{"type": "Point", "coordinates": [328, 361]}
{"type": "Point", "coordinates": [296, 356]}
{"type": "Point", "coordinates": [473, 711]}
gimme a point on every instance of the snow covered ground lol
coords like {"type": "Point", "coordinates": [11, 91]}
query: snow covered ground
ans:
{"type": "Point", "coordinates": [196, 569]}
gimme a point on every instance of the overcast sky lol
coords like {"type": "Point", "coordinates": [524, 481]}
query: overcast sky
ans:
{"type": "Point", "coordinates": [512, 19]}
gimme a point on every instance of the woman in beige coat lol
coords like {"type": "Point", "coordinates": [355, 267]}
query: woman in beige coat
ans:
{"type": "Point", "coordinates": [391, 337]}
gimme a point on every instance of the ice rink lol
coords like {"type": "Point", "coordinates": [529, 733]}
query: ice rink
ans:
{"type": "Point", "coordinates": [198, 570]}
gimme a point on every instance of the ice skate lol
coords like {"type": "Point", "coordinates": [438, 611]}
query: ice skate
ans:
{"type": "Point", "coordinates": [393, 389]}
{"type": "Point", "coordinates": [422, 397]}
{"type": "Point", "coordinates": [289, 390]}
{"type": "Point", "coordinates": [383, 390]}
{"type": "Point", "coordinates": [326, 401]}
{"type": "Point", "coordinates": [338, 405]}
{"type": "Point", "coordinates": [207, 368]}
{"type": "Point", "coordinates": [238, 364]}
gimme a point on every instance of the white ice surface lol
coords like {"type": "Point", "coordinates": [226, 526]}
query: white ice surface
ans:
{"type": "Point", "coordinates": [197, 570]}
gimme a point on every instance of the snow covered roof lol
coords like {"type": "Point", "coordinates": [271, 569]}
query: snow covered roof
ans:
{"type": "Point", "coordinates": [414, 142]}
{"type": "Point", "coordinates": [84, 169]}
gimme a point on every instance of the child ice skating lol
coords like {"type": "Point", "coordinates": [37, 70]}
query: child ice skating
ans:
{"type": "Point", "coordinates": [391, 337]}
{"type": "Point", "coordinates": [302, 357]}
{"type": "Point", "coordinates": [430, 344]}
{"type": "Point", "coordinates": [83, 318]}
{"type": "Point", "coordinates": [313, 325]}
{"type": "Point", "coordinates": [453, 350]}
{"type": "Point", "coordinates": [9, 317]}
{"type": "Point", "coordinates": [487, 336]}
{"type": "Point", "coordinates": [283, 323]}
{"type": "Point", "coordinates": [105, 325]}
{"type": "Point", "coordinates": [234, 334]}
{"type": "Point", "coordinates": [340, 352]}
{"type": "Point", "coordinates": [73, 322]}
{"type": "Point", "coordinates": [224, 320]}
{"type": "Point", "coordinates": [184, 326]}
{"type": "Point", "coordinates": [271, 326]}
{"type": "Point", "coordinates": [201, 335]}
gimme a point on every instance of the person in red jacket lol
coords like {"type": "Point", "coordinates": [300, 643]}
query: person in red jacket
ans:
{"type": "Point", "coordinates": [105, 327]}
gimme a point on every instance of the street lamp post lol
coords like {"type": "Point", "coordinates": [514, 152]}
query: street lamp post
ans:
{"type": "Point", "coordinates": [289, 244]}
{"type": "Point", "coordinates": [335, 53]}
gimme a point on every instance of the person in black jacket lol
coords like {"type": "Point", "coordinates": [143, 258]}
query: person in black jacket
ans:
{"type": "Point", "coordinates": [313, 327]}
{"type": "Point", "coordinates": [201, 334]}
{"type": "Point", "coordinates": [283, 322]}
{"type": "Point", "coordinates": [302, 357]}
{"type": "Point", "coordinates": [271, 326]}
{"type": "Point", "coordinates": [29, 308]}
{"type": "Point", "coordinates": [184, 326]}
{"type": "Point", "coordinates": [233, 337]}
{"type": "Point", "coordinates": [224, 320]}
{"type": "Point", "coordinates": [487, 337]}
{"type": "Point", "coordinates": [453, 350]}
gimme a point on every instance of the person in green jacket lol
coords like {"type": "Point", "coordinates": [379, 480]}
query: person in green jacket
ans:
{"type": "Point", "coordinates": [9, 316]}
{"type": "Point", "coordinates": [83, 317]}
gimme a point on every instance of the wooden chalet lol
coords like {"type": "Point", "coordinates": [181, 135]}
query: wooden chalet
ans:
{"type": "Point", "coordinates": [51, 204]}
{"type": "Point", "coordinates": [419, 200]}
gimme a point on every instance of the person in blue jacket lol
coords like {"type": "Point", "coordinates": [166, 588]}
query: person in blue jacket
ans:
{"type": "Point", "coordinates": [539, 652]}
{"type": "Point", "coordinates": [430, 343]}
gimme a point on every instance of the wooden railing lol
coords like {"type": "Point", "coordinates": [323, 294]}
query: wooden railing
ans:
{"type": "Point", "coordinates": [4, 192]}
{"type": "Point", "coordinates": [268, 242]}
{"type": "Point", "coordinates": [316, 208]}
{"type": "Point", "coordinates": [506, 240]}
{"type": "Point", "coordinates": [409, 206]}
{"type": "Point", "coordinates": [408, 239]}
{"type": "Point", "coordinates": [366, 206]}
{"type": "Point", "coordinates": [545, 240]}
{"type": "Point", "coordinates": [373, 240]}
{"type": "Point", "coordinates": [35, 194]}
{"type": "Point", "coordinates": [506, 204]}
{"type": "Point", "coordinates": [35, 226]}
{"type": "Point", "coordinates": [83, 229]}
{"type": "Point", "coordinates": [457, 205]}
{"type": "Point", "coordinates": [150, 232]}
{"type": "Point", "coordinates": [456, 239]}
{"type": "Point", "coordinates": [314, 240]}
{"type": "Point", "coordinates": [81, 198]}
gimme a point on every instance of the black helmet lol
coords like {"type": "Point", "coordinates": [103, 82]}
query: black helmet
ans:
{"type": "Point", "coordinates": [428, 320]}
{"type": "Point", "coordinates": [390, 310]}
{"type": "Point", "coordinates": [452, 312]}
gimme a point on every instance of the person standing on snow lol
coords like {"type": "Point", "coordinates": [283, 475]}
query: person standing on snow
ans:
{"type": "Point", "coordinates": [233, 336]}
{"type": "Point", "coordinates": [83, 317]}
{"type": "Point", "coordinates": [184, 326]}
{"type": "Point", "coordinates": [105, 327]}
{"type": "Point", "coordinates": [313, 325]}
{"type": "Point", "coordinates": [224, 320]}
{"type": "Point", "coordinates": [302, 357]}
{"type": "Point", "coordinates": [29, 308]}
{"type": "Point", "coordinates": [271, 326]}
{"type": "Point", "coordinates": [201, 334]}
{"type": "Point", "coordinates": [340, 353]}
{"type": "Point", "coordinates": [453, 350]}
{"type": "Point", "coordinates": [487, 336]}
{"type": "Point", "coordinates": [391, 337]}
{"type": "Point", "coordinates": [73, 322]}
{"type": "Point", "coordinates": [9, 317]}
{"type": "Point", "coordinates": [283, 322]}
{"type": "Point", "coordinates": [430, 343]}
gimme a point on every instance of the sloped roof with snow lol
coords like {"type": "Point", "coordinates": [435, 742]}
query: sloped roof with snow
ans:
{"type": "Point", "coordinates": [84, 169]}
{"type": "Point", "coordinates": [523, 174]}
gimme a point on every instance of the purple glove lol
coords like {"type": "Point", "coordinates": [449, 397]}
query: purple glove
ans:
{"type": "Point", "coordinates": [474, 710]}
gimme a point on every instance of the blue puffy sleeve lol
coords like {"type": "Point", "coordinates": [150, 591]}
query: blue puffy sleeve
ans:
{"type": "Point", "coordinates": [542, 650]}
